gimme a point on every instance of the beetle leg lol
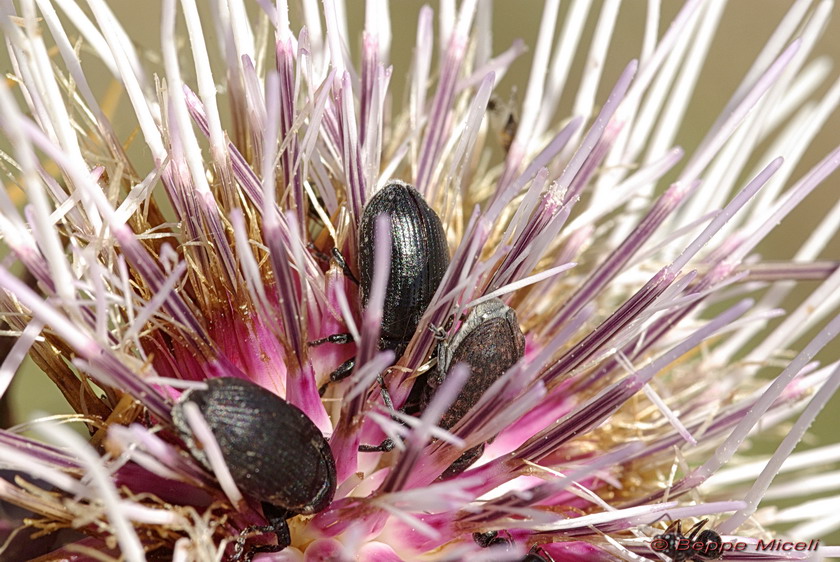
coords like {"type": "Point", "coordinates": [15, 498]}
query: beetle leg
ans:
{"type": "Point", "coordinates": [441, 331]}
{"type": "Point", "coordinates": [538, 554]}
{"type": "Point", "coordinates": [277, 517]}
{"type": "Point", "coordinates": [386, 396]}
{"type": "Point", "coordinates": [277, 524]}
{"type": "Point", "coordinates": [318, 254]}
{"type": "Point", "coordinates": [249, 554]}
{"type": "Point", "coordinates": [342, 372]}
{"type": "Point", "coordinates": [339, 259]}
{"type": "Point", "coordinates": [239, 550]}
{"type": "Point", "coordinates": [333, 338]}
{"type": "Point", "coordinates": [386, 445]}
{"type": "Point", "coordinates": [695, 529]}
{"type": "Point", "coordinates": [463, 462]}
{"type": "Point", "coordinates": [279, 527]}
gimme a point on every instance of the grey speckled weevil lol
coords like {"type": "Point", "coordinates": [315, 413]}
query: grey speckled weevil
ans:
{"type": "Point", "coordinates": [419, 258]}
{"type": "Point", "coordinates": [273, 451]}
{"type": "Point", "coordinates": [490, 342]}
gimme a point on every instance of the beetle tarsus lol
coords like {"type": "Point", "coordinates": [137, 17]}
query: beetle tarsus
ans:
{"type": "Point", "coordinates": [343, 371]}
{"type": "Point", "coordinates": [333, 338]}
{"type": "Point", "coordinates": [463, 462]}
{"type": "Point", "coordinates": [440, 332]}
{"type": "Point", "coordinates": [284, 539]}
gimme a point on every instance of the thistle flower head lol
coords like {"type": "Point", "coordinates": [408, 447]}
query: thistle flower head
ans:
{"type": "Point", "coordinates": [199, 246]}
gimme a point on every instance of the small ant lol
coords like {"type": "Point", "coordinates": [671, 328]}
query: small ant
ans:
{"type": "Point", "coordinates": [493, 538]}
{"type": "Point", "coordinates": [696, 545]}
{"type": "Point", "coordinates": [496, 539]}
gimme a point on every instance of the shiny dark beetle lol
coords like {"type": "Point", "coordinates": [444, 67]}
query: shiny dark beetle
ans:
{"type": "Point", "coordinates": [490, 342]}
{"type": "Point", "coordinates": [272, 449]}
{"type": "Point", "coordinates": [696, 545]}
{"type": "Point", "coordinates": [419, 258]}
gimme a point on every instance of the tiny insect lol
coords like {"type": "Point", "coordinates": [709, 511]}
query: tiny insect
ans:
{"type": "Point", "coordinates": [537, 554]}
{"type": "Point", "coordinates": [503, 540]}
{"type": "Point", "coordinates": [273, 451]}
{"type": "Point", "coordinates": [696, 545]}
{"type": "Point", "coordinates": [504, 119]}
{"type": "Point", "coordinates": [419, 258]}
{"type": "Point", "coordinates": [493, 539]}
{"type": "Point", "coordinates": [490, 342]}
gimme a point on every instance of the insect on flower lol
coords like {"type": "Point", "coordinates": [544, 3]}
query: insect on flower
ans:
{"type": "Point", "coordinates": [502, 540]}
{"type": "Point", "coordinates": [489, 341]}
{"type": "Point", "coordinates": [272, 449]}
{"type": "Point", "coordinates": [419, 258]}
{"type": "Point", "coordinates": [493, 539]}
{"type": "Point", "coordinates": [695, 545]}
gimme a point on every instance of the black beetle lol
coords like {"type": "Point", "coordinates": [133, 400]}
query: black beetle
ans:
{"type": "Point", "coordinates": [696, 545]}
{"type": "Point", "coordinates": [273, 451]}
{"type": "Point", "coordinates": [419, 258]}
{"type": "Point", "coordinates": [490, 342]}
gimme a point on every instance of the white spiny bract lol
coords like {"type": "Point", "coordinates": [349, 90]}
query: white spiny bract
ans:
{"type": "Point", "coordinates": [192, 247]}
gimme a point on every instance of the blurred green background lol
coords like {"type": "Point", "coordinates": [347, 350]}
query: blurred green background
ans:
{"type": "Point", "coordinates": [745, 26]}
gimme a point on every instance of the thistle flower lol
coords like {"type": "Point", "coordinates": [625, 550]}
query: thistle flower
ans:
{"type": "Point", "coordinates": [190, 250]}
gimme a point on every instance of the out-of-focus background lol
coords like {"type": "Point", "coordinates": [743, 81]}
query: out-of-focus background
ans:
{"type": "Point", "coordinates": [744, 27]}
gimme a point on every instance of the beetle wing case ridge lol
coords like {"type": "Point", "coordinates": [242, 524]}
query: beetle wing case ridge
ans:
{"type": "Point", "coordinates": [274, 452]}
